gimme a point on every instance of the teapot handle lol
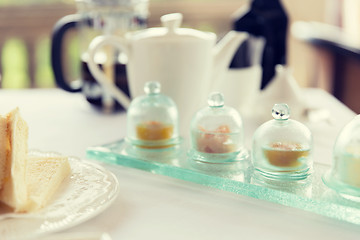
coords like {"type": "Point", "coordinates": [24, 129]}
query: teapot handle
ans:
{"type": "Point", "coordinates": [95, 45]}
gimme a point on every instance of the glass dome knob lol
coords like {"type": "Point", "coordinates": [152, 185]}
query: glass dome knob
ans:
{"type": "Point", "coordinates": [152, 88]}
{"type": "Point", "coordinates": [216, 99]}
{"type": "Point", "coordinates": [281, 111]}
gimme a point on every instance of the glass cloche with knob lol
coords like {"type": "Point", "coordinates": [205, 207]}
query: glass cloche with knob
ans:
{"type": "Point", "coordinates": [152, 119]}
{"type": "Point", "coordinates": [344, 176]}
{"type": "Point", "coordinates": [217, 134]}
{"type": "Point", "coordinates": [282, 147]}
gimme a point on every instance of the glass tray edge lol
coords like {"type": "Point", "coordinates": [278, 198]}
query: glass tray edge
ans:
{"type": "Point", "coordinates": [337, 211]}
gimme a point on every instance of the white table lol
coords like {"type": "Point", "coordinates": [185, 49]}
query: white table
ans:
{"type": "Point", "coordinates": [150, 206]}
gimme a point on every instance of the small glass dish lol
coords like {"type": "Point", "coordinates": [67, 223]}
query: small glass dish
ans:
{"type": "Point", "coordinates": [282, 147]}
{"type": "Point", "coordinates": [152, 120]}
{"type": "Point", "coordinates": [217, 135]}
{"type": "Point", "coordinates": [344, 176]}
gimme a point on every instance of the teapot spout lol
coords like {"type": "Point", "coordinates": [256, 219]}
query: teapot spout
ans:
{"type": "Point", "coordinates": [224, 51]}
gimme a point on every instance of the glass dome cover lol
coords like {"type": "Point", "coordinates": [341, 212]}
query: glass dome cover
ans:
{"type": "Point", "coordinates": [344, 176]}
{"type": "Point", "coordinates": [282, 147]}
{"type": "Point", "coordinates": [152, 119]}
{"type": "Point", "coordinates": [217, 133]}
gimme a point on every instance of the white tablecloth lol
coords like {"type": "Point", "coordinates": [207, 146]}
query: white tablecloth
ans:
{"type": "Point", "coordinates": [150, 206]}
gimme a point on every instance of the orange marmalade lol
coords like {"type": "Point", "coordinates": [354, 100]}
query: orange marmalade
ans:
{"type": "Point", "coordinates": [154, 130]}
{"type": "Point", "coordinates": [285, 154]}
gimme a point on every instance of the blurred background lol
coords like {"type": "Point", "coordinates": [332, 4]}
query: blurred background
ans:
{"type": "Point", "coordinates": [323, 39]}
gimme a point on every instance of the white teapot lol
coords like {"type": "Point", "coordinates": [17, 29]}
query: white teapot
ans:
{"type": "Point", "coordinates": [186, 62]}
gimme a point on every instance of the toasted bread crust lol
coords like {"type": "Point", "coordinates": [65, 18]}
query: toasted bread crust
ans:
{"type": "Point", "coordinates": [27, 183]}
{"type": "Point", "coordinates": [3, 149]}
{"type": "Point", "coordinates": [14, 191]}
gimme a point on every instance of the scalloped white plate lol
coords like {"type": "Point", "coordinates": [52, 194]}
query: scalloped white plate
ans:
{"type": "Point", "coordinates": [88, 191]}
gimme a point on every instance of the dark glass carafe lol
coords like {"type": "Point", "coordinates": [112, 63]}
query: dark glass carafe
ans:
{"type": "Point", "coordinates": [267, 19]}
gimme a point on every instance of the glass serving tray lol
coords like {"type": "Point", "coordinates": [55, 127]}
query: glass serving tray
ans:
{"type": "Point", "coordinates": [310, 194]}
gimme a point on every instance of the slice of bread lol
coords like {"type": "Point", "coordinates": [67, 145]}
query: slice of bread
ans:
{"type": "Point", "coordinates": [14, 190]}
{"type": "Point", "coordinates": [44, 175]}
{"type": "Point", "coordinates": [27, 183]}
{"type": "Point", "coordinates": [3, 149]}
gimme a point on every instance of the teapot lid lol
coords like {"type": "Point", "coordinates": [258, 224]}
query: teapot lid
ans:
{"type": "Point", "coordinates": [171, 29]}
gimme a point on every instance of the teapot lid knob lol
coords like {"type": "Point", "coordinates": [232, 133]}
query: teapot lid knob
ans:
{"type": "Point", "coordinates": [171, 21]}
